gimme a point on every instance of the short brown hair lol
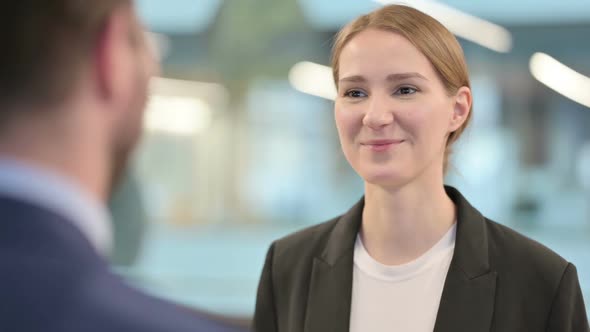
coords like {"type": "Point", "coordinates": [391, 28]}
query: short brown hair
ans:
{"type": "Point", "coordinates": [44, 44]}
{"type": "Point", "coordinates": [428, 35]}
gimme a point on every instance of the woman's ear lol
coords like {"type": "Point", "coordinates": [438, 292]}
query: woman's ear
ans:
{"type": "Point", "coordinates": [461, 108]}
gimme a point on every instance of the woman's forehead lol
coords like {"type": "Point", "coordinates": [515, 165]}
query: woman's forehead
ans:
{"type": "Point", "coordinates": [384, 53]}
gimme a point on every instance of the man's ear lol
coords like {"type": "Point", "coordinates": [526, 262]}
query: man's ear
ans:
{"type": "Point", "coordinates": [111, 58]}
{"type": "Point", "coordinates": [461, 108]}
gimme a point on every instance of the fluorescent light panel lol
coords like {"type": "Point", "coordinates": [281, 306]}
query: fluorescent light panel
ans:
{"type": "Point", "coordinates": [179, 107]}
{"type": "Point", "coordinates": [560, 78]}
{"type": "Point", "coordinates": [313, 79]}
{"type": "Point", "coordinates": [469, 27]}
{"type": "Point", "coordinates": [177, 115]}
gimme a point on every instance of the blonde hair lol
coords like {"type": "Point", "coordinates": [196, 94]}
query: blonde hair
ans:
{"type": "Point", "coordinates": [428, 35]}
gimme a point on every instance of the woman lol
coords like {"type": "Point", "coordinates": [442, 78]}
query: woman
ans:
{"type": "Point", "coordinates": [413, 255]}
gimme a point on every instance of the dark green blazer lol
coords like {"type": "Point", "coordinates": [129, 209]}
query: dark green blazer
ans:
{"type": "Point", "coordinates": [498, 280]}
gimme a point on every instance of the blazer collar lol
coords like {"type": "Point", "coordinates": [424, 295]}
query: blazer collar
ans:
{"type": "Point", "coordinates": [471, 247]}
{"type": "Point", "coordinates": [467, 301]}
{"type": "Point", "coordinates": [468, 295]}
{"type": "Point", "coordinates": [343, 236]}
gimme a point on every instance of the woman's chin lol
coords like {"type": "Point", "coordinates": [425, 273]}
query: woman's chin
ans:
{"type": "Point", "coordinates": [385, 178]}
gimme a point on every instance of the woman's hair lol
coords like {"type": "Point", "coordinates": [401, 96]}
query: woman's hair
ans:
{"type": "Point", "coordinates": [428, 35]}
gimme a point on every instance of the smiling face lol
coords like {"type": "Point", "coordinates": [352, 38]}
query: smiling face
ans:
{"type": "Point", "coordinates": [392, 112]}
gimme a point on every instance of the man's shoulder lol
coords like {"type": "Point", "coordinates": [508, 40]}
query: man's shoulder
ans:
{"type": "Point", "coordinates": [104, 302]}
{"type": "Point", "coordinates": [58, 296]}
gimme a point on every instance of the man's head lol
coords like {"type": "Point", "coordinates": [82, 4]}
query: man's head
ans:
{"type": "Point", "coordinates": [87, 56]}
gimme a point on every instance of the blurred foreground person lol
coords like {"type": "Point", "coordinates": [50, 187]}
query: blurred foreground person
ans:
{"type": "Point", "coordinates": [73, 85]}
{"type": "Point", "coordinates": [413, 255]}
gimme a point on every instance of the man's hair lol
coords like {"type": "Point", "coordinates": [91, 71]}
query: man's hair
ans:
{"type": "Point", "coordinates": [44, 46]}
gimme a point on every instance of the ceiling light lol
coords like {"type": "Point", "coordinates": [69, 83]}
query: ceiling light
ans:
{"type": "Point", "coordinates": [469, 27]}
{"type": "Point", "coordinates": [313, 79]}
{"type": "Point", "coordinates": [561, 78]}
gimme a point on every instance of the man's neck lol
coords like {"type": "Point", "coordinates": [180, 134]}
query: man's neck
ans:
{"type": "Point", "coordinates": [72, 153]}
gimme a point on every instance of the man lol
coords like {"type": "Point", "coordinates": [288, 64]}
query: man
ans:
{"type": "Point", "coordinates": [73, 86]}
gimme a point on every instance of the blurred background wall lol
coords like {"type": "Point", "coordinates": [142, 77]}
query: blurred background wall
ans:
{"type": "Point", "coordinates": [241, 147]}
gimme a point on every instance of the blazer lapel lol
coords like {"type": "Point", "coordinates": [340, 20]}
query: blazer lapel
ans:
{"type": "Point", "coordinates": [330, 295]}
{"type": "Point", "coordinates": [330, 291]}
{"type": "Point", "coordinates": [467, 302]}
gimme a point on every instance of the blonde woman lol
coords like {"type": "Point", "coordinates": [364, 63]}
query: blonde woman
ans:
{"type": "Point", "coordinates": [413, 254]}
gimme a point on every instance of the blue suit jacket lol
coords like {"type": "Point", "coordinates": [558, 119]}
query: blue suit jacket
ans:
{"type": "Point", "coordinates": [51, 279]}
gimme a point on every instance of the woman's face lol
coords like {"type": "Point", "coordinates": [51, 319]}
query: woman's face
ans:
{"type": "Point", "coordinates": [392, 111]}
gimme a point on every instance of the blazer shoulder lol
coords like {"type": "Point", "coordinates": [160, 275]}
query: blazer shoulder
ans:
{"type": "Point", "coordinates": [519, 252]}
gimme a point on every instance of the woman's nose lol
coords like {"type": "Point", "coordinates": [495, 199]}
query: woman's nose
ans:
{"type": "Point", "coordinates": [378, 113]}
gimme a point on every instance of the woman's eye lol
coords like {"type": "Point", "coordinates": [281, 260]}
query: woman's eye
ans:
{"type": "Point", "coordinates": [406, 90]}
{"type": "Point", "coordinates": [355, 94]}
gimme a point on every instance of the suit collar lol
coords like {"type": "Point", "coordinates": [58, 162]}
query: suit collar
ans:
{"type": "Point", "coordinates": [471, 247]}
{"type": "Point", "coordinates": [467, 301]}
{"type": "Point", "coordinates": [330, 290]}
{"type": "Point", "coordinates": [343, 235]}
{"type": "Point", "coordinates": [59, 194]}
{"type": "Point", "coordinates": [468, 295]}
{"type": "Point", "coordinates": [40, 233]}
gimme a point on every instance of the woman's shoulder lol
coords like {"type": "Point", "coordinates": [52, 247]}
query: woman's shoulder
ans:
{"type": "Point", "coordinates": [507, 251]}
{"type": "Point", "coordinates": [513, 251]}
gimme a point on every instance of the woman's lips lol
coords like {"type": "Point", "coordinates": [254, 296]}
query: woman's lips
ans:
{"type": "Point", "coordinates": [381, 144]}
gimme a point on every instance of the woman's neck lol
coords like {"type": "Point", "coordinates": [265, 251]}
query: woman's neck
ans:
{"type": "Point", "coordinates": [399, 225]}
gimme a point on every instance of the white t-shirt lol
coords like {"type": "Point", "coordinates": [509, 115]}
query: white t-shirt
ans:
{"type": "Point", "coordinates": [402, 297]}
